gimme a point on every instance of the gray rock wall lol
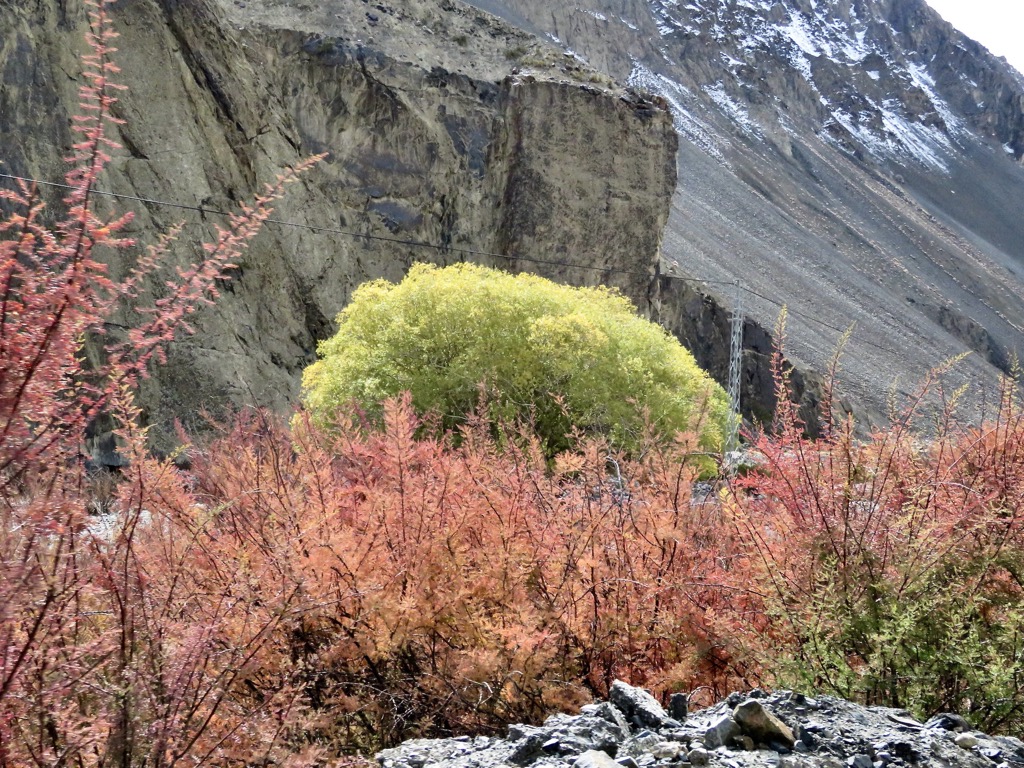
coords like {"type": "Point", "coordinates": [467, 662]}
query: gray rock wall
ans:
{"type": "Point", "coordinates": [430, 135]}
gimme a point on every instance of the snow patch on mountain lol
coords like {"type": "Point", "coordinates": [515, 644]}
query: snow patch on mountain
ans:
{"type": "Point", "coordinates": [732, 109]}
{"type": "Point", "coordinates": [832, 43]}
{"type": "Point", "coordinates": [899, 139]}
{"type": "Point", "coordinates": [798, 31]}
{"type": "Point", "coordinates": [682, 103]}
{"type": "Point", "coordinates": [924, 81]}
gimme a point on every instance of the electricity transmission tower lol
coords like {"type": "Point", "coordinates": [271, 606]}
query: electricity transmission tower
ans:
{"type": "Point", "coordinates": [735, 369]}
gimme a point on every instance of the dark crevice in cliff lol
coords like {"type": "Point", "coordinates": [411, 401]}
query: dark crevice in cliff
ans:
{"type": "Point", "coordinates": [203, 19]}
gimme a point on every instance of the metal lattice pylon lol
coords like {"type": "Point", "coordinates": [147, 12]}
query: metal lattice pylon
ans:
{"type": "Point", "coordinates": [735, 369]}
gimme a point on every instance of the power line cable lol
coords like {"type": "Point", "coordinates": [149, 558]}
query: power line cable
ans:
{"type": "Point", "coordinates": [444, 248]}
{"type": "Point", "coordinates": [360, 235]}
{"type": "Point", "coordinates": [813, 319]}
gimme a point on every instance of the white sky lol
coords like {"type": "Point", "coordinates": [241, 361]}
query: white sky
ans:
{"type": "Point", "coordinates": [996, 24]}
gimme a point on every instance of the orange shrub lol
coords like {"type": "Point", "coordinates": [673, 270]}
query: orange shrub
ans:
{"type": "Point", "coordinates": [426, 588]}
{"type": "Point", "coordinates": [890, 570]}
{"type": "Point", "coordinates": [96, 665]}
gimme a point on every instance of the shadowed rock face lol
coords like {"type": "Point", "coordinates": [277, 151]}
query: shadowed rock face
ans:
{"type": "Point", "coordinates": [430, 136]}
{"type": "Point", "coordinates": [858, 161]}
{"type": "Point", "coordinates": [755, 730]}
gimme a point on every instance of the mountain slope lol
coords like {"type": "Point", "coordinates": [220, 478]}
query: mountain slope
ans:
{"type": "Point", "coordinates": [858, 161]}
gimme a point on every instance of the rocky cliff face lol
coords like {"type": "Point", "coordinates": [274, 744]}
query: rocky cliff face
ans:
{"type": "Point", "coordinates": [858, 161]}
{"type": "Point", "coordinates": [430, 135]}
{"type": "Point", "coordinates": [781, 730]}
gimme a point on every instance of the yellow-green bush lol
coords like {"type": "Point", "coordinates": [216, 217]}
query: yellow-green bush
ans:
{"type": "Point", "coordinates": [566, 358]}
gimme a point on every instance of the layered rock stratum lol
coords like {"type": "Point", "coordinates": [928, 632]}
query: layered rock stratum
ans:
{"type": "Point", "coordinates": [783, 729]}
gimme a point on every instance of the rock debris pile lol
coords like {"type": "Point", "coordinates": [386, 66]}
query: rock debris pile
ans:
{"type": "Point", "coordinates": [755, 730]}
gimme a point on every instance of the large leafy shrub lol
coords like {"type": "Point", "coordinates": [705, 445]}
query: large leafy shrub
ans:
{"type": "Point", "coordinates": [890, 570]}
{"type": "Point", "coordinates": [565, 358]}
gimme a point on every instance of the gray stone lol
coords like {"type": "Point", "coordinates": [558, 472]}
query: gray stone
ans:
{"type": "Point", "coordinates": [518, 731]}
{"type": "Point", "coordinates": [966, 740]}
{"type": "Point", "coordinates": [1011, 744]}
{"type": "Point", "coordinates": [721, 731]}
{"type": "Point", "coordinates": [566, 735]}
{"type": "Point", "coordinates": [948, 721]}
{"type": "Point", "coordinates": [847, 736]}
{"type": "Point", "coordinates": [744, 742]}
{"type": "Point", "coordinates": [761, 724]}
{"type": "Point", "coordinates": [640, 744]}
{"type": "Point", "coordinates": [698, 756]}
{"type": "Point", "coordinates": [595, 758]}
{"type": "Point", "coordinates": [678, 706]}
{"type": "Point", "coordinates": [667, 750]}
{"type": "Point", "coordinates": [527, 750]}
{"type": "Point", "coordinates": [607, 711]}
{"type": "Point", "coordinates": [639, 707]}
{"type": "Point", "coordinates": [906, 720]}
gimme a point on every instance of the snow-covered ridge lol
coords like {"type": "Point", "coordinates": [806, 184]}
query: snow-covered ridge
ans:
{"type": "Point", "coordinates": [886, 102]}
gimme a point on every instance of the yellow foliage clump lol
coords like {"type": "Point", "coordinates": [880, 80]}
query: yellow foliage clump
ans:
{"type": "Point", "coordinates": [572, 361]}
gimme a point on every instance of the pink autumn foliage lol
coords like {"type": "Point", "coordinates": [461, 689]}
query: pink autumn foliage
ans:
{"type": "Point", "coordinates": [297, 595]}
{"type": "Point", "coordinates": [96, 666]}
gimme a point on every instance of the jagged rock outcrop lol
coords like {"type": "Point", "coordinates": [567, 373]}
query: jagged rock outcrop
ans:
{"type": "Point", "coordinates": [431, 134]}
{"type": "Point", "coordinates": [755, 730]}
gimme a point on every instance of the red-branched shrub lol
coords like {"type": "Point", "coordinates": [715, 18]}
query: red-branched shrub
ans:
{"type": "Point", "coordinates": [107, 660]}
{"type": "Point", "coordinates": [423, 588]}
{"type": "Point", "coordinates": [55, 290]}
{"type": "Point", "coordinates": [890, 570]}
{"type": "Point", "coordinates": [97, 666]}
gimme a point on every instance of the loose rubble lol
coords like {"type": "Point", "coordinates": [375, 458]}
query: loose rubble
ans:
{"type": "Point", "coordinates": [754, 730]}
